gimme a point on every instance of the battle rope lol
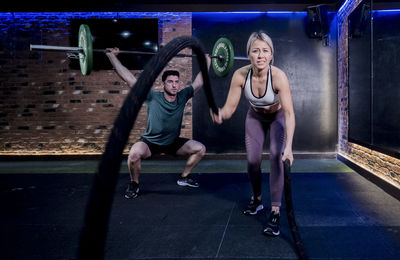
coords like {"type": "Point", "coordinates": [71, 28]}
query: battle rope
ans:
{"type": "Point", "coordinates": [95, 226]}
{"type": "Point", "coordinates": [290, 213]}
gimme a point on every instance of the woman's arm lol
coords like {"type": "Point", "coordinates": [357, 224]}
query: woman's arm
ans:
{"type": "Point", "coordinates": [233, 98]}
{"type": "Point", "coordinates": [282, 85]}
{"type": "Point", "coordinates": [122, 71]}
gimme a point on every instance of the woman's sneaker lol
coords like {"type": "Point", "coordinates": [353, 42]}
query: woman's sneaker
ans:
{"type": "Point", "coordinates": [272, 228]}
{"type": "Point", "coordinates": [132, 191]}
{"type": "Point", "coordinates": [254, 207]}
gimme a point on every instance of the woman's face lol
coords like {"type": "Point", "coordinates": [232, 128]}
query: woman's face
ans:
{"type": "Point", "coordinates": [260, 54]}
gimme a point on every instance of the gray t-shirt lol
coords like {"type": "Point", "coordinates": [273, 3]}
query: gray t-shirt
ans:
{"type": "Point", "coordinates": [164, 119]}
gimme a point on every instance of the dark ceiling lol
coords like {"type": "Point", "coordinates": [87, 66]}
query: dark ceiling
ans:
{"type": "Point", "coordinates": [178, 5]}
{"type": "Point", "coordinates": [170, 6]}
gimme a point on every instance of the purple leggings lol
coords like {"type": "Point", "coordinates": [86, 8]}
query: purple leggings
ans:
{"type": "Point", "coordinates": [257, 125]}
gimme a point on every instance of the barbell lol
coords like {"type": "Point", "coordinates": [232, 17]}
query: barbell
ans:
{"type": "Point", "coordinates": [222, 54]}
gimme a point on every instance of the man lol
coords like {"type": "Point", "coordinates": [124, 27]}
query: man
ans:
{"type": "Point", "coordinates": [164, 119]}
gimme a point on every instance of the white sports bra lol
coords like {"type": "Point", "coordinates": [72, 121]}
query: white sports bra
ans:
{"type": "Point", "coordinates": [269, 98]}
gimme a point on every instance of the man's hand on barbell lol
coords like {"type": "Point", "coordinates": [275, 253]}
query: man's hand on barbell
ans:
{"type": "Point", "coordinates": [113, 51]}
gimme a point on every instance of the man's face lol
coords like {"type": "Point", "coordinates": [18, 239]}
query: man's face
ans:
{"type": "Point", "coordinates": [171, 85]}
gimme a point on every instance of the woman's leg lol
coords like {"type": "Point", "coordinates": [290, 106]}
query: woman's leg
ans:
{"type": "Point", "coordinates": [277, 145]}
{"type": "Point", "coordinates": [255, 136]}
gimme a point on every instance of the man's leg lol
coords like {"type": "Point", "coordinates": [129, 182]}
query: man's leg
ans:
{"type": "Point", "coordinates": [139, 151]}
{"type": "Point", "coordinates": [196, 151]}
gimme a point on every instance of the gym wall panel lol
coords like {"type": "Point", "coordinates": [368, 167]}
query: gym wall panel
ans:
{"type": "Point", "coordinates": [310, 65]}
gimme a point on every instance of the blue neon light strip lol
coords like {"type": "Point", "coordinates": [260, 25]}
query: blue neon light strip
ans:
{"type": "Point", "coordinates": [152, 14]}
{"type": "Point", "coordinates": [129, 14]}
{"type": "Point", "coordinates": [386, 11]}
{"type": "Point", "coordinates": [226, 16]}
{"type": "Point", "coordinates": [260, 12]}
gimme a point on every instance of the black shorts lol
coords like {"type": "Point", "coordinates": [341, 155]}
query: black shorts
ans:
{"type": "Point", "coordinates": [167, 149]}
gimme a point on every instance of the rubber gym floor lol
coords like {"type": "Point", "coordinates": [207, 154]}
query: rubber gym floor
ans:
{"type": "Point", "coordinates": [340, 214]}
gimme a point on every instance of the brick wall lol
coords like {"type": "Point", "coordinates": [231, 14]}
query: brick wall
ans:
{"type": "Point", "coordinates": [381, 165]}
{"type": "Point", "coordinates": [47, 108]}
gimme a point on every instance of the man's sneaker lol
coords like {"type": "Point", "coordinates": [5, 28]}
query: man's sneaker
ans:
{"type": "Point", "coordinates": [254, 207]}
{"type": "Point", "coordinates": [272, 228]}
{"type": "Point", "coordinates": [187, 181]}
{"type": "Point", "coordinates": [132, 191]}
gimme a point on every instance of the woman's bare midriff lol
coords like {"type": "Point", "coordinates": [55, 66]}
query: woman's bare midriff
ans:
{"type": "Point", "coordinates": [267, 110]}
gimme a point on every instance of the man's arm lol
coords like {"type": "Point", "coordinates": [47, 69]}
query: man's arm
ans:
{"type": "Point", "coordinates": [122, 71]}
{"type": "Point", "coordinates": [198, 81]}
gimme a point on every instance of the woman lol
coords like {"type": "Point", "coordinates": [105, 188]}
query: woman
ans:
{"type": "Point", "coordinates": [271, 108]}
